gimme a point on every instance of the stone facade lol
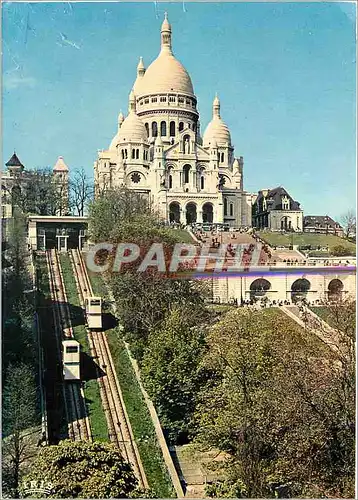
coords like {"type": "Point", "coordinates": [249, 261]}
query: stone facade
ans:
{"type": "Point", "coordinates": [276, 210]}
{"type": "Point", "coordinates": [158, 149]}
{"type": "Point", "coordinates": [311, 285]}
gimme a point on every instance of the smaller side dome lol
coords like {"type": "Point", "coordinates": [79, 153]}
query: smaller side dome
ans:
{"type": "Point", "coordinates": [217, 130]}
{"type": "Point", "coordinates": [132, 128]}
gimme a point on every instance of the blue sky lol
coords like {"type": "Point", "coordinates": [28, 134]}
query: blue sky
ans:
{"type": "Point", "coordinates": [285, 74]}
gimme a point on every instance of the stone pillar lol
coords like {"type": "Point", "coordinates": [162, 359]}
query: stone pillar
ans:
{"type": "Point", "coordinates": [199, 216]}
{"type": "Point", "coordinates": [183, 216]}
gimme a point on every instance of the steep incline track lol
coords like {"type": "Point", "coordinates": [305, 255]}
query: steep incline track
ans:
{"type": "Point", "coordinates": [76, 413]}
{"type": "Point", "coordinates": [119, 428]}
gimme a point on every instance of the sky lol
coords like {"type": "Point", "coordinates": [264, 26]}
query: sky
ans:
{"type": "Point", "coordinates": [285, 74]}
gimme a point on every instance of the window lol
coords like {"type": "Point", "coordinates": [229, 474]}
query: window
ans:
{"type": "Point", "coordinates": [163, 99]}
{"type": "Point", "coordinates": [154, 99]}
{"type": "Point", "coordinates": [187, 101]}
{"type": "Point", "coordinates": [231, 209]}
{"type": "Point", "coordinates": [170, 181]}
{"type": "Point", "coordinates": [146, 101]}
{"type": "Point", "coordinates": [181, 100]}
{"type": "Point", "coordinates": [147, 128]}
{"type": "Point", "coordinates": [135, 178]}
{"type": "Point", "coordinates": [122, 151]}
{"type": "Point", "coordinates": [137, 154]}
{"type": "Point", "coordinates": [163, 129]}
{"type": "Point", "coordinates": [172, 129]}
{"type": "Point", "coordinates": [133, 154]}
{"type": "Point", "coordinates": [222, 157]}
{"type": "Point", "coordinates": [181, 126]}
{"type": "Point", "coordinates": [225, 206]}
{"type": "Point", "coordinates": [186, 171]}
{"type": "Point", "coordinates": [202, 182]}
{"type": "Point", "coordinates": [171, 98]}
{"type": "Point", "coordinates": [71, 349]}
{"type": "Point", "coordinates": [154, 129]}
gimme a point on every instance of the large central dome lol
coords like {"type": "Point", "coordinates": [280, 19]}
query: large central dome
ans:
{"type": "Point", "coordinates": [166, 73]}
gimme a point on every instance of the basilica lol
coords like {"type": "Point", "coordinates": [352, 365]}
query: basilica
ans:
{"type": "Point", "coordinates": [158, 149]}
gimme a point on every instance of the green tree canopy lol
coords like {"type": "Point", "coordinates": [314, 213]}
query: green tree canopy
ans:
{"type": "Point", "coordinates": [170, 370]}
{"type": "Point", "coordinates": [279, 405]}
{"type": "Point", "coordinates": [82, 469]}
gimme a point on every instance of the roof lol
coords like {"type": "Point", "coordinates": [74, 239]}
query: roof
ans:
{"type": "Point", "coordinates": [60, 165]}
{"type": "Point", "coordinates": [217, 132]}
{"type": "Point", "coordinates": [313, 220]}
{"type": "Point", "coordinates": [166, 73]}
{"type": "Point", "coordinates": [274, 199]}
{"type": "Point", "coordinates": [14, 161]}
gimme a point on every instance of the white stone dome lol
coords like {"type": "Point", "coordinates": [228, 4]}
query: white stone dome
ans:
{"type": "Point", "coordinates": [165, 74]}
{"type": "Point", "coordinates": [132, 128]}
{"type": "Point", "coordinates": [217, 131]}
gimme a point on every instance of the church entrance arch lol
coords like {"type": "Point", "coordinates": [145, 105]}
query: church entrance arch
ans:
{"type": "Point", "coordinates": [259, 288]}
{"type": "Point", "coordinates": [335, 289]}
{"type": "Point", "coordinates": [299, 289]}
{"type": "Point", "coordinates": [208, 213]}
{"type": "Point", "coordinates": [174, 212]}
{"type": "Point", "coordinates": [190, 213]}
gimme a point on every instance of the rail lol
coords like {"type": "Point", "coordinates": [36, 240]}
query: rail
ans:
{"type": "Point", "coordinates": [120, 431]}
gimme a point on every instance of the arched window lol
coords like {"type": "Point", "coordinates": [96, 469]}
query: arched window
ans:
{"type": "Point", "coordinates": [225, 206]}
{"type": "Point", "coordinates": [186, 170]}
{"type": "Point", "coordinates": [137, 154]}
{"type": "Point", "coordinates": [133, 154]}
{"type": "Point", "coordinates": [147, 128]}
{"type": "Point", "coordinates": [172, 129]}
{"type": "Point", "coordinates": [202, 182]}
{"type": "Point", "coordinates": [194, 127]}
{"type": "Point", "coordinates": [154, 129]}
{"type": "Point", "coordinates": [181, 126]}
{"type": "Point", "coordinates": [126, 153]}
{"type": "Point", "coordinates": [122, 154]}
{"type": "Point", "coordinates": [231, 209]}
{"type": "Point", "coordinates": [163, 129]}
{"type": "Point", "coordinates": [170, 181]}
{"type": "Point", "coordinates": [222, 157]}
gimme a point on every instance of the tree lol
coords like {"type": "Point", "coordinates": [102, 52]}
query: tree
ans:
{"type": "Point", "coordinates": [280, 405]}
{"type": "Point", "coordinates": [19, 414]}
{"type": "Point", "coordinates": [171, 370]}
{"type": "Point", "coordinates": [349, 223]}
{"type": "Point", "coordinates": [144, 299]}
{"type": "Point", "coordinates": [340, 251]}
{"type": "Point", "coordinates": [112, 214]}
{"type": "Point", "coordinates": [39, 194]}
{"type": "Point", "coordinates": [81, 191]}
{"type": "Point", "coordinates": [83, 469]}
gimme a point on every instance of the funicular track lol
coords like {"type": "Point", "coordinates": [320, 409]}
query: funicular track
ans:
{"type": "Point", "coordinates": [119, 429]}
{"type": "Point", "coordinates": [75, 407]}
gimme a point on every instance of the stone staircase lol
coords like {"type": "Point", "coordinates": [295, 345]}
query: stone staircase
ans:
{"type": "Point", "coordinates": [193, 470]}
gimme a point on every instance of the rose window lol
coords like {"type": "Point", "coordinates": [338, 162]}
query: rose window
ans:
{"type": "Point", "coordinates": [135, 178]}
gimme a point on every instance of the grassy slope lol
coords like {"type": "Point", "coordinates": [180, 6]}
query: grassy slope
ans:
{"type": "Point", "coordinates": [182, 236]}
{"type": "Point", "coordinates": [91, 389]}
{"type": "Point", "coordinates": [302, 239]}
{"type": "Point", "coordinates": [141, 423]}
